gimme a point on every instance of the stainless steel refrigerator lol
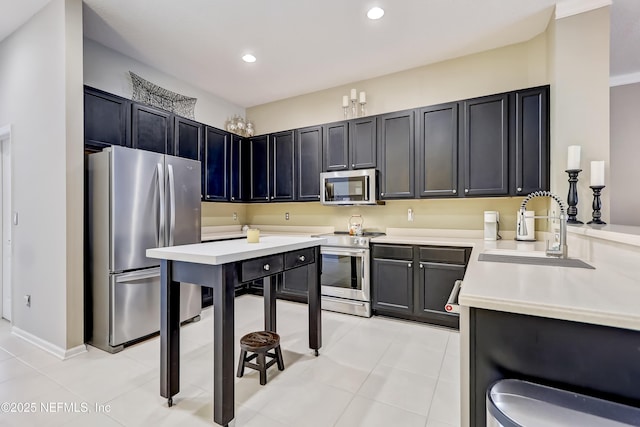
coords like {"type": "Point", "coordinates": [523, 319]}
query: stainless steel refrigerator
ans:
{"type": "Point", "coordinates": [136, 200]}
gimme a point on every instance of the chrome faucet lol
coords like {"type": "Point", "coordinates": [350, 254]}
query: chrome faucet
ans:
{"type": "Point", "coordinates": [559, 247]}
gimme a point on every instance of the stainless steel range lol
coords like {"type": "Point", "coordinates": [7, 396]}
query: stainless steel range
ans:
{"type": "Point", "coordinates": [345, 280]}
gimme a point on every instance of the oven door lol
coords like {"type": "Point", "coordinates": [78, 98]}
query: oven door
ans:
{"type": "Point", "coordinates": [345, 273]}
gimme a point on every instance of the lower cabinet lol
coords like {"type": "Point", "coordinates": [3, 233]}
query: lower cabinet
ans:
{"type": "Point", "coordinates": [293, 285]}
{"type": "Point", "coordinates": [414, 282]}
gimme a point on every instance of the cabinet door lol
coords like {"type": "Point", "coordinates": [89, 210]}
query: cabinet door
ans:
{"type": "Point", "coordinates": [293, 285]}
{"type": "Point", "coordinates": [335, 147]}
{"type": "Point", "coordinates": [531, 143]}
{"type": "Point", "coordinates": [152, 129]}
{"type": "Point", "coordinates": [434, 287]}
{"type": "Point", "coordinates": [397, 155]}
{"type": "Point", "coordinates": [392, 285]}
{"type": "Point", "coordinates": [216, 158]}
{"type": "Point", "coordinates": [187, 138]}
{"type": "Point", "coordinates": [259, 172]}
{"type": "Point", "coordinates": [486, 148]}
{"type": "Point", "coordinates": [238, 169]}
{"type": "Point", "coordinates": [106, 119]}
{"type": "Point", "coordinates": [437, 151]}
{"type": "Point", "coordinates": [362, 143]}
{"type": "Point", "coordinates": [283, 165]}
{"type": "Point", "coordinates": [308, 163]}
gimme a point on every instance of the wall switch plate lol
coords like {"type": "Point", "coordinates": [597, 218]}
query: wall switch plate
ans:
{"type": "Point", "coordinates": [410, 214]}
{"type": "Point", "coordinates": [286, 216]}
{"type": "Point", "coordinates": [235, 216]}
{"type": "Point", "coordinates": [27, 300]}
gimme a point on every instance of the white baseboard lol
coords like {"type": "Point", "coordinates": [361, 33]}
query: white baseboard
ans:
{"type": "Point", "coordinates": [59, 352]}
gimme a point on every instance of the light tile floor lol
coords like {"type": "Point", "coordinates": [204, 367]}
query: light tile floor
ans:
{"type": "Point", "coordinates": [371, 372]}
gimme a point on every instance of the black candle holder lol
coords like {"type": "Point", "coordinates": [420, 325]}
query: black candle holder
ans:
{"type": "Point", "coordinates": [597, 204]}
{"type": "Point", "coordinates": [572, 197]}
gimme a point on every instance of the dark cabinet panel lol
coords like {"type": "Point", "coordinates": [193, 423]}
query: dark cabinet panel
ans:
{"type": "Point", "coordinates": [486, 146]}
{"type": "Point", "coordinates": [397, 155]}
{"type": "Point", "coordinates": [187, 138]}
{"type": "Point", "coordinates": [362, 142]}
{"type": "Point", "coordinates": [392, 286]}
{"type": "Point", "coordinates": [308, 163]}
{"type": "Point", "coordinates": [434, 287]}
{"type": "Point", "coordinates": [283, 165]}
{"type": "Point", "coordinates": [151, 129]}
{"type": "Point", "coordinates": [335, 147]}
{"type": "Point", "coordinates": [437, 151]}
{"type": "Point", "coordinates": [530, 167]}
{"type": "Point", "coordinates": [293, 285]}
{"type": "Point", "coordinates": [238, 169]}
{"type": "Point", "coordinates": [106, 119]}
{"type": "Point", "coordinates": [217, 164]}
{"type": "Point", "coordinates": [259, 172]}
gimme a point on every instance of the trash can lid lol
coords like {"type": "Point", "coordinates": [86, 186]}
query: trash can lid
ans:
{"type": "Point", "coordinates": [517, 403]}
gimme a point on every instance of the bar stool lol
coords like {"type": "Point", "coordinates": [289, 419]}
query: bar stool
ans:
{"type": "Point", "coordinates": [259, 343]}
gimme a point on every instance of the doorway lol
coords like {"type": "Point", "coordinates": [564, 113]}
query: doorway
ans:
{"type": "Point", "coordinates": [5, 221]}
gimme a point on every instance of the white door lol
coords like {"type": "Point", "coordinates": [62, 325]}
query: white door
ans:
{"type": "Point", "coordinates": [5, 221]}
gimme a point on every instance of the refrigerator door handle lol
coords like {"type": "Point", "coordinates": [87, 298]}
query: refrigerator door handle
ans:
{"type": "Point", "coordinates": [172, 204]}
{"type": "Point", "coordinates": [161, 206]}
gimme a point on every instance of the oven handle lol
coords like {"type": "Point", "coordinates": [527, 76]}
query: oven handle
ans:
{"type": "Point", "coordinates": [349, 252]}
{"type": "Point", "coordinates": [452, 305]}
{"type": "Point", "coordinates": [343, 301]}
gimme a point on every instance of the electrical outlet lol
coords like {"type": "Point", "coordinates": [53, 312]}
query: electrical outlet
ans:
{"type": "Point", "coordinates": [235, 216]}
{"type": "Point", "coordinates": [286, 216]}
{"type": "Point", "coordinates": [27, 300]}
{"type": "Point", "coordinates": [410, 214]}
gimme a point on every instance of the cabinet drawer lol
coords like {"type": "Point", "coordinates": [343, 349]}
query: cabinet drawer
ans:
{"type": "Point", "coordinates": [298, 258]}
{"type": "Point", "coordinates": [261, 267]}
{"type": "Point", "coordinates": [392, 252]}
{"type": "Point", "coordinates": [443, 254]}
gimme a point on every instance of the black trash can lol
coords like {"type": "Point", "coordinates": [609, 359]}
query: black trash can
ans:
{"type": "Point", "coordinates": [516, 403]}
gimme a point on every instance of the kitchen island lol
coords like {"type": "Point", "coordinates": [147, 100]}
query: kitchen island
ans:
{"type": "Point", "coordinates": [221, 265]}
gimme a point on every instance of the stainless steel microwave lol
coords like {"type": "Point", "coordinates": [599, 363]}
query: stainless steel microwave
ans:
{"type": "Point", "coordinates": [356, 187]}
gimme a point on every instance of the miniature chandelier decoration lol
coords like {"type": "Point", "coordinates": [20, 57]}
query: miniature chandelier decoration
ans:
{"type": "Point", "coordinates": [238, 125]}
{"type": "Point", "coordinates": [362, 100]}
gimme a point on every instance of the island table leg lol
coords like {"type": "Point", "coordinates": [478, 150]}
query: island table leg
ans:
{"type": "Point", "coordinates": [269, 291]}
{"type": "Point", "coordinates": [315, 314]}
{"type": "Point", "coordinates": [169, 333]}
{"type": "Point", "coordinates": [223, 344]}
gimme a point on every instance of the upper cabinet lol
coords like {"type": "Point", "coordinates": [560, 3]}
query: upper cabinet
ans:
{"type": "Point", "coordinates": [187, 138]}
{"type": "Point", "coordinates": [530, 145]}
{"type": "Point", "coordinates": [350, 144]}
{"type": "Point", "coordinates": [151, 129]}
{"type": "Point", "coordinates": [107, 120]}
{"type": "Point", "coordinates": [397, 155]}
{"type": "Point", "coordinates": [485, 146]}
{"type": "Point", "coordinates": [238, 177]}
{"type": "Point", "coordinates": [282, 166]}
{"type": "Point", "coordinates": [216, 149]}
{"type": "Point", "coordinates": [259, 172]}
{"type": "Point", "coordinates": [437, 151]}
{"type": "Point", "coordinates": [308, 165]}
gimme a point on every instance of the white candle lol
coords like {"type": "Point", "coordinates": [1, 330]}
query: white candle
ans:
{"type": "Point", "coordinates": [363, 97]}
{"type": "Point", "coordinates": [597, 173]}
{"type": "Point", "coordinates": [345, 101]}
{"type": "Point", "coordinates": [353, 95]}
{"type": "Point", "coordinates": [253, 235]}
{"type": "Point", "coordinates": [573, 159]}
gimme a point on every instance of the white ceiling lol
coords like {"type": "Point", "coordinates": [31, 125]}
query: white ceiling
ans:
{"type": "Point", "coordinates": [304, 46]}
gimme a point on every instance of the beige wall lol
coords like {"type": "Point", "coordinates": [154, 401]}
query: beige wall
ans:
{"type": "Point", "coordinates": [579, 76]}
{"type": "Point", "coordinates": [625, 152]}
{"type": "Point", "coordinates": [513, 67]}
{"type": "Point", "coordinates": [214, 213]}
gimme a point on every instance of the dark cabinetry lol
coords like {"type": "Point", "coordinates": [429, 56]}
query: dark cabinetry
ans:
{"type": "Point", "coordinates": [216, 149]}
{"type": "Point", "coordinates": [437, 151]}
{"type": "Point", "coordinates": [187, 138]}
{"type": "Point", "coordinates": [397, 155]}
{"type": "Point", "coordinates": [530, 145]}
{"type": "Point", "coordinates": [350, 144]}
{"type": "Point", "coordinates": [238, 177]}
{"type": "Point", "coordinates": [308, 165]}
{"type": "Point", "coordinates": [151, 129]}
{"type": "Point", "coordinates": [259, 172]}
{"type": "Point", "coordinates": [414, 282]}
{"type": "Point", "coordinates": [107, 120]}
{"type": "Point", "coordinates": [485, 146]}
{"type": "Point", "coordinates": [271, 167]}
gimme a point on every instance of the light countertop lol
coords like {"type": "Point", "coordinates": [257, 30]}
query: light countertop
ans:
{"type": "Point", "coordinates": [224, 252]}
{"type": "Point", "coordinates": [606, 296]}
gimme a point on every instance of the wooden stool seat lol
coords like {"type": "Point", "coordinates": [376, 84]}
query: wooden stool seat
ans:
{"type": "Point", "coordinates": [260, 343]}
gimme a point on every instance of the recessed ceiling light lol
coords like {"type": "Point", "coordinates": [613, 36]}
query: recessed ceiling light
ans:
{"type": "Point", "coordinates": [375, 13]}
{"type": "Point", "coordinates": [249, 58]}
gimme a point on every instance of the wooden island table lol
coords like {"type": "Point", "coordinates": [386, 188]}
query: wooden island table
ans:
{"type": "Point", "coordinates": [222, 265]}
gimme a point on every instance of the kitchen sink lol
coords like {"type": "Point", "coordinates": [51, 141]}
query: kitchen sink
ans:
{"type": "Point", "coordinates": [513, 256]}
